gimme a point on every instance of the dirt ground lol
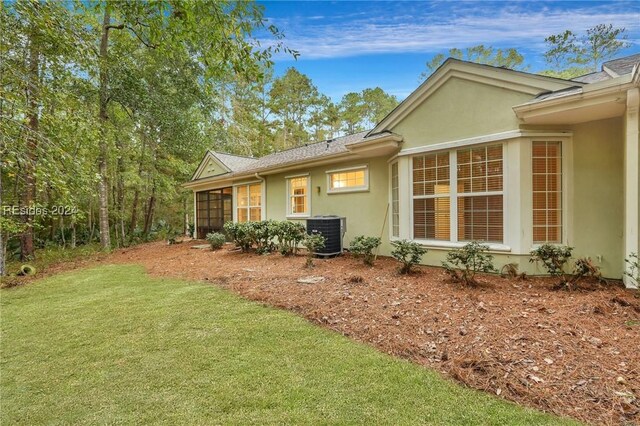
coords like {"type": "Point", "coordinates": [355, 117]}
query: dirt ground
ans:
{"type": "Point", "coordinates": [573, 353]}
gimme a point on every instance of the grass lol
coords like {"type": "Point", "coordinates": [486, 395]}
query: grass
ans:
{"type": "Point", "coordinates": [113, 345]}
{"type": "Point", "coordinates": [48, 256]}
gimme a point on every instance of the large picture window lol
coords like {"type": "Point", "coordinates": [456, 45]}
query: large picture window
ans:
{"type": "Point", "coordinates": [477, 193]}
{"type": "Point", "coordinates": [431, 197]}
{"type": "Point", "coordinates": [298, 196]}
{"type": "Point", "coordinates": [249, 202]}
{"type": "Point", "coordinates": [480, 206]}
{"type": "Point", "coordinates": [547, 191]}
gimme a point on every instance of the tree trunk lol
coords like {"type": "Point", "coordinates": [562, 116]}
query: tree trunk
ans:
{"type": "Point", "coordinates": [29, 194]}
{"type": "Point", "coordinates": [148, 220]}
{"type": "Point", "coordinates": [120, 194]}
{"type": "Point", "coordinates": [2, 250]}
{"type": "Point", "coordinates": [103, 196]}
{"type": "Point", "coordinates": [136, 194]}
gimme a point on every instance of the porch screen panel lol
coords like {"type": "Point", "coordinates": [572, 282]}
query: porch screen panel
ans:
{"type": "Point", "coordinates": [547, 191]}
{"type": "Point", "coordinates": [480, 196]}
{"type": "Point", "coordinates": [431, 197]}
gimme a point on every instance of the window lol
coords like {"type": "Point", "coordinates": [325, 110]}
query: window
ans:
{"type": "Point", "coordinates": [298, 196]}
{"type": "Point", "coordinates": [395, 201]}
{"type": "Point", "coordinates": [348, 180]}
{"type": "Point", "coordinates": [547, 191]}
{"type": "Point", "coordinates": [249, 202]}
{"type": "Point", "coordinates": [478, 174]}
{"type": "Point", "coordinates": [431, 197]}
{"type": "Point", "coordinates": [480, 215]}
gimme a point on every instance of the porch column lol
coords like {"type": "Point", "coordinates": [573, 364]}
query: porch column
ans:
{"type": "Point", "coordinates": [632, 180]}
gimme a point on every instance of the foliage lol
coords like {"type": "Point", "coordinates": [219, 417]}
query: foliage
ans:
{"type": "Point", "coordinates": [481, 54]}
{"type": "Point", "coordinates": [216, 240]}
{"type": "Point", "coordinates": [553, 258]}
{"type": "Point", "coordinates": [462, 264]}
{"type": "Point", "coordinates": [240, 234]}
{"type": "Point", "coordinates": [288, 234]}
{"type": "Point", "coordinates": [313, 243]}
{"type": "Point", "coordinates": [409, 253]}
{"type": "Point", "coordinates": [363, 247]}
{"type": "Point", "coordinates": [571, 55]}
{"type": "Point", "coordinates": [363, 110]}
{"type": "Point", "coordinates": [633, 268]}
{"type": "Point", "coordinates": [583, 267]}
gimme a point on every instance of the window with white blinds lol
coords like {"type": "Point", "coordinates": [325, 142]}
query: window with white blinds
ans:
{"type": "Point", "coordinates": [547, 191]}
{"type": "Point", "coordinates": [478, 194]}
{"type": "Point", "coordinates": [480, 215]}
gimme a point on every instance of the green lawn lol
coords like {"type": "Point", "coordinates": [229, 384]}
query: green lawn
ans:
{"type": "Point", "coordinates": [112, 345]}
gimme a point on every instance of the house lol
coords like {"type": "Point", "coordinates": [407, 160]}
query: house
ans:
{"type": "Point", "coordinates": [475, 153]}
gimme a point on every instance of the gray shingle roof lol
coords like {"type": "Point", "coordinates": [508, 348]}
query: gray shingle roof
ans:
{"type": "Point", "coordinates": [624, 65]}
{"type": "Point", "coordinates": [594, 77]}
{"type": "Point", "coordinates": [245, 165]}
{"type": "Point", "coordinates": [234, 162]}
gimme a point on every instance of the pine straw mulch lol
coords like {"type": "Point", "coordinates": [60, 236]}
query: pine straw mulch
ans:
{"type": "Point", "coordinates": [573, 353]}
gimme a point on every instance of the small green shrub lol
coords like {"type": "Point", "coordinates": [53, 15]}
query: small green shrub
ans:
{"type": "Point", "coordinates": [363, 247]}
{"type": "Point", "coordinates": [408, 253]}
{"type": "Point", "coordinates": [240, 233]}
{"type": "Point", "coordinates": [462, 264]}
{"type": "Point", "coordinates": [553, 258]}
{"type": "Point", "coordinates": [289, 235]}
{"type": "Point", "coordinates": [313, 243]}
{"type": "Point", "coordinates": [216, 240]}
{"type": "Point", "coordinates": [262, 236]}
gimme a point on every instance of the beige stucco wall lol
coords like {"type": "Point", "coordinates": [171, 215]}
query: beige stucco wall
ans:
{"type": "Point", "coordinates": [364, 211]}
{"type": "Point", "coordinates": [460, 109]}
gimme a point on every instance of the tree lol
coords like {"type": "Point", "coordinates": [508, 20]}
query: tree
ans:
{"type": "Point", "coordinates": [377, 104]}
{"type": "Point", "coordinates": [292, 97]}
{"type": "Point", "coordinates": [571, 55]}
{"type": "Point", "coordinates": [352, 112]}
{"type": "Point", "coordinates": [481, 54]}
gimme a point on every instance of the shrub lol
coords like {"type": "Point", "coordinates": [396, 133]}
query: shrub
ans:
{"type": "Point", "coordinates": [633, 268]}
{"type": "Point", "coordinates": [463, 263]}
{"type": "Point", "coordinates": [313, 243]}
{"type": "Point", "coordinates": [240, 234]}
{"type": "Point", "coordinates": [216, 239]}
{"type": "Point", "coordinates": [289, 235]}
{"type": "Point", "coordinates": [584, 267]}
{"type": "Point", "coordinates": [261, 235]}
{"type": "Point", "coordinates": [553, 259]}
{"type": "Point", "coordinates": [408, 253]}
{"type": "Point", "coordinates": [362, 246]}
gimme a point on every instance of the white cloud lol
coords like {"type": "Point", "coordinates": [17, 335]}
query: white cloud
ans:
{"type": "Point", "coordinates": [430, 30]}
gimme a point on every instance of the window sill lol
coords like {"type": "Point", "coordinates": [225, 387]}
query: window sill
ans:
{"type": "Point", "coordinates": [438, 244]}
{"type": "Point", "coordinates": [298, 216]}
{"type": "Point", "coordinates": [346, 191]}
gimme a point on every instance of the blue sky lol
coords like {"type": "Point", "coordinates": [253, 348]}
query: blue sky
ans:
{"type": "Point", "coordinates": [351, 45]}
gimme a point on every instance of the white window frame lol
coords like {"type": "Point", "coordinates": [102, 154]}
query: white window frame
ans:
{"type": "Point", "coordinates": [393, 237]}
{"type": "Point", "coordinates": [566, 142]}
{"type": "Point", "coordinates": [262, 199]}
{"type": "Point", "coordinates": [453, 204]}
{"type": "Point", "coordinates": [289, 214]}
{"type": "Point", "coordinates": [361, 188]}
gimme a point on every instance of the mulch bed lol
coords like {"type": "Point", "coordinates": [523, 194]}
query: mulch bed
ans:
{"type": "Point", "coordinates": [573, 353]}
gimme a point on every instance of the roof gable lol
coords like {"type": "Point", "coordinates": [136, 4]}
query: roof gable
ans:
{"type": "Point", "coordinates": [517, 81]}
{"type": "Point", "coordinates": [210, 166]}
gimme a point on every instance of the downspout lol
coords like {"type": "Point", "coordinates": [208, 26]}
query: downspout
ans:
{"type": "Point", "coordinates": [263, 185]}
